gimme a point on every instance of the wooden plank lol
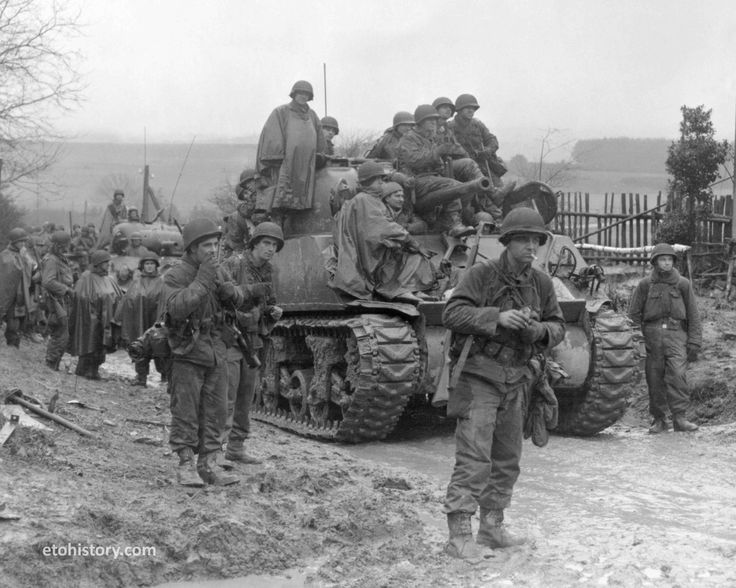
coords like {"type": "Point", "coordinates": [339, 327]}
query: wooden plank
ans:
{"type": "Point", "coordinates": [637, 210]}
{"type": "Point", "coordinates": [622, 239]}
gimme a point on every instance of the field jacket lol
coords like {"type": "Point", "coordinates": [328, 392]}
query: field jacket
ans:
{"type": "Point", "coordinates": [484, 292]}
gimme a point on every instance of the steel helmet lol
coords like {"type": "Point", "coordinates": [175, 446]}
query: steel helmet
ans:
{"type": "Point", "coordinates": [17, 234]}
{"type": "Point", "coordinates": [118, 192]}
{"type": "Point", "coordinates": [61, 238]}
{"type": "Point", "coordinates": [662, 249]}
{"type": "Point", "coordinates": [443, 101]}
{"type": "Point", "coordinates": [403, 118]}
{"type": "Point", "coordinates": [99, 256]}
{"type": "Point", "coordinates": [151, 256]}
{"type": "Point", "coordinates": [465, 100]}
{"type": "Point", "coordinates": [302, 86]}
{"type": "Point", "coordinates": [523, 220]}
{"type": "Point", "coordinates": [331, 123]}
{"type": "Point", "coordinates": [391, 188]}
{"type": "Point", "coordinates": [369, 170]}
{"type": "Point", "coordinates": [247, 175]}
{"type": "Point", "coordinates": [198, 229]}
{"type": "Point", "coordinates": [267, 229]}
{"type": "Point", "coordinates": [425, 111]}
{"type": "Point", "coordinates": [135, 235]}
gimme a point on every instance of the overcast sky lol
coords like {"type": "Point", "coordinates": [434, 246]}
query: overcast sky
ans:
{"type": "Point", "coordinates": [216, 68]}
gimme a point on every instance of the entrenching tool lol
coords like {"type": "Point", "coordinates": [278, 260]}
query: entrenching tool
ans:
{"type": "Point", "coordinates": [15, 396]}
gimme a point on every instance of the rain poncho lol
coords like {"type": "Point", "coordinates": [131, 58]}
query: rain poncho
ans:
{"type": "Point", "coordinates": [95, 300]}
{"type": "Point", "coordinates": [139, 308]}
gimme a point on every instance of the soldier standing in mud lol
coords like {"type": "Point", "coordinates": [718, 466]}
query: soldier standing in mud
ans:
{"type": "Point", "coordinates": [196, 292]}
{"type": "Point", "coordinates": [57, 282]}
{"type": "Point", "coordinates": [253, 272]}
{"type": "Point", "coordinates": [15, 286]}
{"type": "Point", "coordinates": [509, 310]}
{"type": "Point", "coordinates": [96, 296]}
{"type": "Point", "coordinates": [665, 308]}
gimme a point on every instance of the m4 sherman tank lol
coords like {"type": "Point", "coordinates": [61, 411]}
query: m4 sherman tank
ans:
{"type": "Point", "coordinates": [345, 369]}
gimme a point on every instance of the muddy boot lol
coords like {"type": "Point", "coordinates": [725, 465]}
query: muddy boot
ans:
{"type": "Point", "coordinates": [658, 426]}
{"type": "Point", "coordinates": [492, 532]}
{"type": "Point", "coordinates": [461, 544]}
{"type": "Point", "coordinates": [141, 381]}
{"type": "Point", "coordinates": [212, 473]}
{"type": "Point", "coordinates": [53, 364]}
{"type": "Point", "coordinates": [236, 452]}
{"type": "Point", "coordinates": [681, 423]}
{"type": "Point", "coordinates": [186, 472]}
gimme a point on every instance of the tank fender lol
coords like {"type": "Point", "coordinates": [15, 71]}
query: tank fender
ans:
{"type": "Point", "coordinates": [404, 309]}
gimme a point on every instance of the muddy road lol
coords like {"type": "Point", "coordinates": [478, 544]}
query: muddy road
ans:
{"type": "Point", "coordinates": [623, 508]}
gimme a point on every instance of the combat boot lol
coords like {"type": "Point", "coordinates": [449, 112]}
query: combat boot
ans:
{"type": "Point", "coordinates": [186, 472]}
{"type": "Point", "coordinates": [212, 473]}
{"type": "Point", "coordinates": [493, 533]}
{"type": "Point", "coordinates": [461, 544]}
{"type": "Point", "coordinates": [659, 425]}
{"type": "Point", "coordinates": [53, 364]}
{"type": "Point", "coordinates": [681, 423]}
{"type": "Point", "coordinates": [141, 381]}
{"type": "Point", "coordinates": [236, 452]}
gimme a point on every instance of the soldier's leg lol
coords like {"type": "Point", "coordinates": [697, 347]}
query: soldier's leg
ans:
{"type": "Point", "coordinates": [478, 403]}
{"type": "Point", "coordinates": [141, 371]}
{"type": "Point", "coordinates": [12, 330]}
{"type": "Point", "coordinates": [234, 363]}
{"type": "Point", "coordinates": [465, 170]}
{"type": "Point", "coordinates": [654, 369]}
{"type": "Point", "coordinates": [187, 380]}
{"type": "Point", "coordinates": [213, 414]}
{"type": "Point", "coordinates": [58, 340]}
{"type": "Point", "coordinates": [506, 450]}
{"type": "Point", "coordinates": [678, 392]}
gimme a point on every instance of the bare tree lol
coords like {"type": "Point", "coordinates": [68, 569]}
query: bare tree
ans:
{"type": "Point", "coordinates": [38, 80]}
{"type": "Point", "coordinates": [354, 143]}
{"type": "Point", "coordinates": [119, 181]}
{"type": "Point", "coordinates": [554, 173]}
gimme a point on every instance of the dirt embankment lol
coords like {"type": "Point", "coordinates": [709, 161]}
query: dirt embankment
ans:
{"type": "Point", "coordinates": [313, 510]}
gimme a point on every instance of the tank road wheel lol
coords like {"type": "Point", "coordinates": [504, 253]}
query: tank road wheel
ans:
{"type": "Point", "coordinates": [614, 372]}
{"type": "Point", "coordinates": [363, 368]}
{"type": "Point", "coordinates": [298, 391]}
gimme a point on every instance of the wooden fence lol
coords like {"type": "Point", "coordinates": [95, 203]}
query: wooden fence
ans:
{"type": "Point", "coordinates": [631, 220]}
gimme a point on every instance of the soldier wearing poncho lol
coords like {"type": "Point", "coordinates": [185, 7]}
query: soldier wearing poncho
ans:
{"type": "Point", "coordinates": [375, 255]}
{"type": "Point", "coordinates": [96, 296]}
{"type": "Point", "coordinates": [15, 286]}
{"type": "Point", "coordinates": [139, 310]}
{"type": "Point", "coordinates": [290, 148]}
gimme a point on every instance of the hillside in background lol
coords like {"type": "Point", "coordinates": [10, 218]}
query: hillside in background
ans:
{"type": "Point", "coordinates": [622, 154]}
{"type": "Point", "coordinates": [89, 172]}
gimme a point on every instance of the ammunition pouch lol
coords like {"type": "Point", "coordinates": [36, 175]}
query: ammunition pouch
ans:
{"type": "Point", "coordinates": [506, 354]}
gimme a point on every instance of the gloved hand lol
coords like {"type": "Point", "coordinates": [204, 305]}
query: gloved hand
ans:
{"type": "Point", "coordinates": [275, 312]}
{"type": "Point", "coordinates": [533, 332]}
{"type": "Point", "coordinates": [692, 353]}
{"type": "Point", "coordinates": [207, 273]}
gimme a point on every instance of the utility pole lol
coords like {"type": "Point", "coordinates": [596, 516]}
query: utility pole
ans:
{"type": "Point", "coordinates": [144, 208]}
{"type": "Point", "coordinates": [733, 185]}
{"type": "Point", "coordinates": [324, 78]}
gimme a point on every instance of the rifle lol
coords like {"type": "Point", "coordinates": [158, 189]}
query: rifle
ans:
{"type": "Point", "coordinates": [450, 374]}
{"type": "Point", "coordinates": [242, 339]}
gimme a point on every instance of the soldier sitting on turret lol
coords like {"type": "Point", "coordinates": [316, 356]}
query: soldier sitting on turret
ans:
{"type": "Point", "coordinates": [375, 255]}
{"type": "Point", "coordinates": [393, 198]}
{"type": "Point", "coordinates": [133, 215]}
{"type": "Point", "coordinates": [240, 224]}
{"type": "Point", "coordinates": [422, 157]}
{"type": "Point", "coordinates": [330, 130]}
{"type": "Point", "coordinates": [387, 147]}
{"type": "Point", "coordinates": [136, 249]}
{"type": "Point", "coordinates": [116, 209]}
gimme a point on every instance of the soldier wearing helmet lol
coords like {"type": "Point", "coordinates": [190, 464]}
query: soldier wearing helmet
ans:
{"type": "Point", "coordinates": [476, 139]}
{"type": "Point", "coordinates": [240, 224]}
{"type": "Point", "coordinates": [330, 130]}
{"type": "Point", "coordinates": [291, 147]}
{"type": "Point", "coordinates": [92, 328]}
{"type": "Point", "coordinates": [501, 314]}
{"type": "Point", "coordinates": [16, 270]}
{"type": "Point", "coordinates": [377, 257]}
{"type": "Point", "coordinates": [387, 147]}
{"type": "Point", "coordinates": [138, 311]}
{"type": "Point", "coordinates": [664, 307]}
{"type": "Point", "coordinates": [58, 285]}
{"type": "Point", "coordinates": [445, 108]}
{"type": "Point", "coordinates": [256, 319]}
{"type": "Point", "coordinates": [196, 293]}
{"type": "Point", "coordinates": [116, 209]}
{"type": "Point", "coordinates": [135, 247]}
{"type": "Point", "coordinates": [434, 169]}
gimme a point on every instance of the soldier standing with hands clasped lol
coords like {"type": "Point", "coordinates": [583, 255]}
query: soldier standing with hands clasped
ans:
{"type": "Point", "coordinates": [511, 312]}
{"type": "Point", "coordinates": [195, 292]}
{"type": "Point", "coordinates": [664, 306]}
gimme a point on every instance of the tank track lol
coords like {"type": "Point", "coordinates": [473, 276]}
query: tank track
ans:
{"type": "Point", "coordinates": [342, 378]}
{"type": "Point", "coordinates": [615, 371]}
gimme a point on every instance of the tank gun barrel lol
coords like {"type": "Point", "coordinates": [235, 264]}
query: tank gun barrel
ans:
{"type": "Point", "coordinates": [445, 195]}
